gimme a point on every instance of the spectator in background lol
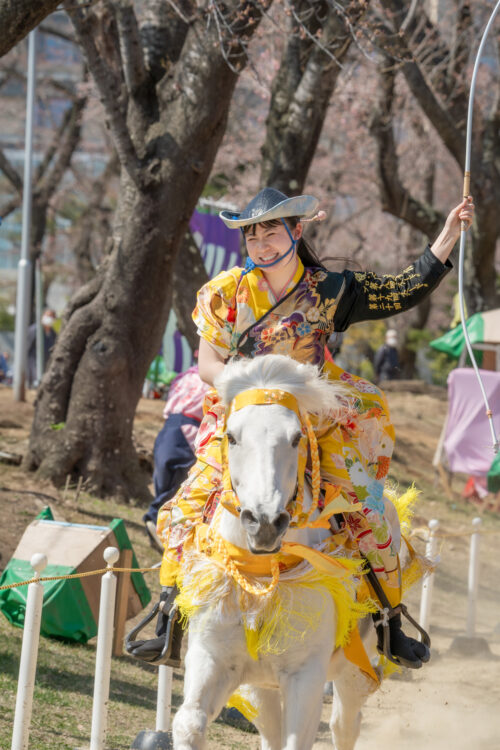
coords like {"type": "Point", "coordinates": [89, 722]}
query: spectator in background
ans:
{"type": "Point", "coordinates": [48, 340]}
{"type": "Point", "coordinates": [5, 370]}
{"type": "Point", "coordinates": [386, 361]}
{"type": "Point", "coordinates": [174, 445]}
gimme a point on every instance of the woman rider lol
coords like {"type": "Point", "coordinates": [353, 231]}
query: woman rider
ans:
{"type": "Point", "coordinates": [286, 302]}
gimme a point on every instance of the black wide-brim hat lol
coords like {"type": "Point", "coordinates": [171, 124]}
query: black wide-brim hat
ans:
{"type": "Point", "coordinates": [270, 204]}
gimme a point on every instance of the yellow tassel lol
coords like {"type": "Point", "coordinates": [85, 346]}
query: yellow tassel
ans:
{"type": "Point", "coordinates": [404, 505]}
{"type": "Point", "coordinates": [244, 706]}
{"type": "Point", "coordinates": [279, 620]}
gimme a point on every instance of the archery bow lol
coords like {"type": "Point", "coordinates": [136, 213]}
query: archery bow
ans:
{"type": "Point", "coordinates": [489, 413]}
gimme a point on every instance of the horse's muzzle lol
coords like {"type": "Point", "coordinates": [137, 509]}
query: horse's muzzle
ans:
{"type": "Point", "coordinates": [264, 534]}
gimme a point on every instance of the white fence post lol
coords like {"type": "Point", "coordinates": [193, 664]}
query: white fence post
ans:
{"type": "Point", "coordinates": [103, 653]}
{"type": "Point", "coordinates": [164, 698]}
{"type": "Point", "coordinates": [473, 579]}
{"type": "Point", "coordinates": [29, 652]}
{"type": "Point", "coordinates": [428, 581]}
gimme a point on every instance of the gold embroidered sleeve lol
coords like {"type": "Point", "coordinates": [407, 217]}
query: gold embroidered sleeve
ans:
{"type": "Point", "coordinates": [368, 296]}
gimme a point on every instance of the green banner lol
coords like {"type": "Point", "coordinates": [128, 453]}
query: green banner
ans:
{"type": "Point", "coordinates": [452, 342]}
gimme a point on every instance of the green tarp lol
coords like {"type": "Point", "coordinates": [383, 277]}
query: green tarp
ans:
{"type": "Point", "coordinates": [66, 612]}
{"type": "Point", "coordinates": [452, 342]}
{"type": "Point", "coordinates": [494, 475]}
{"type": "Point", "coordinates": [158, 373]}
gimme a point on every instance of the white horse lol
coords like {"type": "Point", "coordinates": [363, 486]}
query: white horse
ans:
{"type": "Point", "coordinates": [286, 686]}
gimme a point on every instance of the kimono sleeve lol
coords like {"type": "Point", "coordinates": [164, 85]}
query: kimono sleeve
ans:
{"type": "Point", "coordinates": [368, 296]}
{"type": "Point", "coordinates": [214, 312]}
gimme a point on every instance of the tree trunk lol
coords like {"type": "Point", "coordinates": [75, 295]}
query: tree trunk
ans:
{"type": "Point", "coordinates": [86, 402]}
{"type": "Point", "coordinates": [186, 286]}
{"type": "Point", "coordinates": [302, 90]}
{"type": "Point", "coordinates": [166, 143]}
{"type": "Point", "coordinates": [19, 17]}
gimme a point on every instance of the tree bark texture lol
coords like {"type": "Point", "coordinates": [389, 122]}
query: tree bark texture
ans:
{"type": "Point", "coordinates": [186, 286]}
{"type": "Point", "coordinates": [19, 17]}
{"type": "Point", "coordinates": [166, 136]}
{"type": "Point", "coordinates": [319, 39]}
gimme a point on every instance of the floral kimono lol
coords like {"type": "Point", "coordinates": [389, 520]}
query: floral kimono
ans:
{"type": "Point", "coordinates": [239, 316]}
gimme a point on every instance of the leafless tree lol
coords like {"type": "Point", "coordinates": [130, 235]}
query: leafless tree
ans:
{"type": "Point", "coordinates": [165, 88]}
{"type": "Point", "coordinates": [318, 40]}
{"type": "Point", "coordinates": [436, 72]}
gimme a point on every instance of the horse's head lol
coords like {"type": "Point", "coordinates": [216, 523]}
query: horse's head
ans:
{"type": "Point", "coordinates": [265, 398]}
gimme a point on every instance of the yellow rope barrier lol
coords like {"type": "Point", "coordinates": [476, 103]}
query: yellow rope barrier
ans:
{"type": "Point", "coordinates": [43, 579]}
{"type": "Point", "coordinates": [451, 534]}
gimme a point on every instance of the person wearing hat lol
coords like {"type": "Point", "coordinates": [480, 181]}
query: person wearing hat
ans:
{"type": "Point", "coordinates": [285, 301]}
{"type": "Point", "coordinates": [386, 362]}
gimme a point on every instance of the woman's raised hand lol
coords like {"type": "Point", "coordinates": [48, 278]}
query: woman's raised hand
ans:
{"type": "Point", "coordinates": [464, 212]}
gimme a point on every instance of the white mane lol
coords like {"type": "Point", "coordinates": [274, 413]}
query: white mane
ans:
{"type": "Point", "coordinates": [314, 392]}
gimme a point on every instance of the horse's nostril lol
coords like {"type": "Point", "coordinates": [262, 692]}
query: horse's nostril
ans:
{"type": "Point", "coordinates": [281, 522]}
{"type": "Point", "coordinates": [248, 519]}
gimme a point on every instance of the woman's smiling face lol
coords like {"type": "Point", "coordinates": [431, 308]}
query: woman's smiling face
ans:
{"type": "Point", "coordinates": [269, 241]}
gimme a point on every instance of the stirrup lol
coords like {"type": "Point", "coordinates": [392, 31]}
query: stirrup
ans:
{"type": "Point", "coordinates": [386, 614]}
{"type": "Point", "coordinates": [172, 617]}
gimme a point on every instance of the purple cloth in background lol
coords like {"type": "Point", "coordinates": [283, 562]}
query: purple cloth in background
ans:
{"type": "Point", "coordinates": [220, 246]}
{"type": "Point", "coordinates": [468, 442]}
{"type": "Point", "coordinates": [220, 250]}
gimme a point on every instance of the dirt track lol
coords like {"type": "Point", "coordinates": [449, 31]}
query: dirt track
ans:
{"type": "Point", "coordinates": [454, 701]}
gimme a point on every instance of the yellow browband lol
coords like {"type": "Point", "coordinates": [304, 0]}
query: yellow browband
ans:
{"type": "Point", "coordinates": [300, 518]}
{"type": "Point", "coordinates": [264, 396]}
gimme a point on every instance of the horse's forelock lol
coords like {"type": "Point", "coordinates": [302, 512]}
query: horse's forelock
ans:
{"type": "Point", "coordinates": [314, 392]}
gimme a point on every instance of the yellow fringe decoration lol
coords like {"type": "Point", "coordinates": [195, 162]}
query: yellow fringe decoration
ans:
{"type": "Point", "coordinates": [243, 705]}
{"type": "Point", "coordinates": [274, 619]}
{"type": "Point", "coordinates": [404, 505]}
{"type": "Point", "coordinates": [419, 564]}
{"type": "Point", "coordinates": [278, 620]}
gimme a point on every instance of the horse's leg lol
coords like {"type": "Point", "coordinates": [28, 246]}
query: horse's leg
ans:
{"type": "Point", "coordinates": [268, 721]}
{"type": "Point", "coordinates": [351, 688]}
{"type": "Point", "coordinates": [208, 683]}
{"type": "Point", "coordinates": [302, 701]}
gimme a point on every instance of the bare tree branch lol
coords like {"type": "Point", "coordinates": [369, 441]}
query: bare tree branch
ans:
{"type": "Point", "coordinates": [46, 28]}
{"type": "Point", "coordinates": [396, 45]}
{"type": "Point", "coordinates": [395, 197]}
{"type": "Point", "coordinates": [19, 17]}
{"type": "Point", "coordinates": [11, 173]}
{"type": "Point", "coordinates": [302, 90]}
{"type": "Point", "coordinates": [460, 48]}
{"type": "Point", "coordinates": [110, 88]}
{"type": "Point", "coordinates": [10, 206]}
{"type": "Point", "coordinates": [130, 46]}
{"type": "Point", "coordinates": [163, 32]}
{"type": "Point", "coordinates": [70, 137]}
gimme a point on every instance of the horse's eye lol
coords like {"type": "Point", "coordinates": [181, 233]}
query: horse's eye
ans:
{"type": "Point", "coordinates": [230, 439]}
{"type": "Point", "coordinates": [296, 440]}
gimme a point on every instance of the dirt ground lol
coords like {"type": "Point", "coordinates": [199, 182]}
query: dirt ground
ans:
{"type": "Point", "coordinates": [453, 701]}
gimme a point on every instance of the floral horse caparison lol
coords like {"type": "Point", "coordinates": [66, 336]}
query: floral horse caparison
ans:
{"type": "Point", "coordinates": [239, 314]}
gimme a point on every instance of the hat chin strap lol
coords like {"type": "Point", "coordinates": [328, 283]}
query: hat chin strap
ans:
{"type": "Point", "coordinates": [250, 264]}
